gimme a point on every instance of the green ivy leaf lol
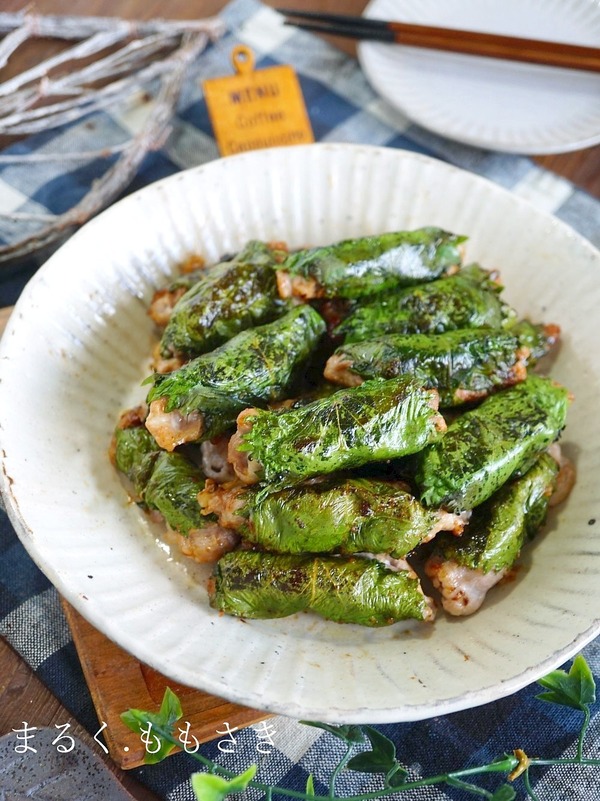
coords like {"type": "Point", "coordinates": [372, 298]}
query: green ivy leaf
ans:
{"type": "Point", "coordinates": [398, 777]}
{"type": "Point", "coordinates": [382, 745]}
{"type": "Point", "coordinates": [382, 757]}
{"type": "Point", "coordinates": [310, 785]}
{"type": "Point", "coordinates": [349, 734]}
{"type": "Point", "coordinates": [170, 709]}
{"type": "Point", "coordinates": [504, 793]}
{"type": "Point", "coordinates": [209, 787]}
{"type": "Point", "coordinates": [576, 689]}
{"type": "Point", "coordinates": [157, 747]}
{"type": "Point", "coordinates": [367, 762]}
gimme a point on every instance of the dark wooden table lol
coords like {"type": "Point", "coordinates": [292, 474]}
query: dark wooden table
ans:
{"type": "Point", "coordinates": [22, 695]}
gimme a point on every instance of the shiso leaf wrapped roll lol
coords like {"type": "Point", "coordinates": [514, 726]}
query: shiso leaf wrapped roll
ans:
{"type": "Point", "coordinates": [463, 365]}
{"type": "Point", "coordinates": [134, 452]}
{"type": "Point", "coordinates": [164, 299]}
{"type": "Point", "coordinates": [538, 338]}
{"type": "Point", "coordinates": [377, 421]}
{"type": "Point", "coordinates": [173, 488]}
{"type": "Point", "coordinates": [339, 515]}
{"type": "Point", "coordinates": [357, 590]}
{"type": "Point", "coordinates": [467, 299]}
{"type": "Point", "coordinates": [169, 483]}
{"type": "Point", "coordinates": [229, 297]}
{"type": "Point", "coordinates": [203, 398]}
{"type": "Point", "coordinates": [367, 265]}
{"type": "Point", "coordinates": [487, 445]}
{"type": "Point", "coordinates": [465, 568]}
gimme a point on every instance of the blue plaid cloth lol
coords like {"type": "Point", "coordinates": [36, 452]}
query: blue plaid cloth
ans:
{"type": "Point", "coordinates": [342, 107]}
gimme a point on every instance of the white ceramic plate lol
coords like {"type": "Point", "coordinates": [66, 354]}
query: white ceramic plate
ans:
{"type": "Point", "coordinates": [77, 347]}
{"type": "Point", "coordinates": [500, 105]}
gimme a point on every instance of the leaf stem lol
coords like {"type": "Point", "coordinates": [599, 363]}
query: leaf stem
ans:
{"type": "Point", "coordinates": [565, 689]}
{"type": "Point", "coordinates": [453, 778]}
{"type": "Point", "coordinates": [468, 787]}
{"type": "Point", "coordinates": [499, 766]}
{"type": "Point", "coordinates": [530, 793]}
{"type": "Point", "coordinates": [565, 761]}
{"type": "Point", "coordinates": [582, 733]}
{"type": "Point", "coordinates": [339, 767]}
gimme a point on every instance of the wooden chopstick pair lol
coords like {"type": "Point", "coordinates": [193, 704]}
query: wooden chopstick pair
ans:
{"type": "Point", "coordinates": [474, 43]}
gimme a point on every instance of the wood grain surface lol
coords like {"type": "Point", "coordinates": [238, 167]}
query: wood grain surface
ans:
{"type": "Point", "coordinates": [24, 698]}
{"type": "Point", "coordinates": [118, 682]}
{"type": "Point", "coordinates": [22, 695]}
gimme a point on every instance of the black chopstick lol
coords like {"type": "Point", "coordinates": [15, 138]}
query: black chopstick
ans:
{"type": "Point", "coordinates": [475, 43]}
{"type": "Point", "coordinates": [344, 19]}
{"type": "Point", "coordinates": [350, 31]}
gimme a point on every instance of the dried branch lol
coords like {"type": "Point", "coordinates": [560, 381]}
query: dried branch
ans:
{"type": "Point", "coordinates": [149, 51]}
{"type": "Point", "coordinates": [11, 42]}
{"type": "Point", "coordinates": [56, 26]}
{"type": "Point", "coordinates": [107, 188]}
{"type": "Point", "coordinates": [125, 60]}
{"type": "Point", "coordinates": [97, 43]}
{"type": "Point", "coordinates": [38, 158]}
{"type": "Point", "coordinates": [85, 101]}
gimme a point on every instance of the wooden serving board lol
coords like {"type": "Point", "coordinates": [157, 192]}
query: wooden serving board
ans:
{"type": "Point", "coordinates": [5, 312]}
{"type": "Point", "coordinates": [117, 682]}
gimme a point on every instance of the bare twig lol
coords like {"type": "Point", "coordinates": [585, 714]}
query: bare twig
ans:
{"type": "Point", "coordinates": [30, 217]}
{"type": "Point", "coordinates": [11, 42]}
{"type": "Point", "coordinates": [56, 26]}
{"type": "Point", "coordinates": [84, 102]}
{"type": "Point", "coordinates": [83, 155]}
{"type": "Point", "coordinates": [97, 43]}
{"type": "Point", "coordinates": [107, 188]}
{"type": "Point", "coordinates": [149, 51]}
{"type": "Point", "coordinates": [125, 60]}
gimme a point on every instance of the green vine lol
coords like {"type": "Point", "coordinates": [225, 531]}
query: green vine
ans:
{"type": "Point", "coordinates": [575, 689]}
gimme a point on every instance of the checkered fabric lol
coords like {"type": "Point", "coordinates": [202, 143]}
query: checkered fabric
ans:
{"type": "Point", "coordinates": [342, 107]}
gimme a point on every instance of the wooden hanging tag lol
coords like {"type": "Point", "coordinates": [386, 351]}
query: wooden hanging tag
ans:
{"type": "Point", "coordinates": [254, 109]}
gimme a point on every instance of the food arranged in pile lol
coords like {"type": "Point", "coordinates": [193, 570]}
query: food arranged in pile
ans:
{"type": "Point", "coordinates": [353, 430]}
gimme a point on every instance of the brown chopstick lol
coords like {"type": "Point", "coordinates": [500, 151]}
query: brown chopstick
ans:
{"type": "Point", "coordinates": [473, 43]}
